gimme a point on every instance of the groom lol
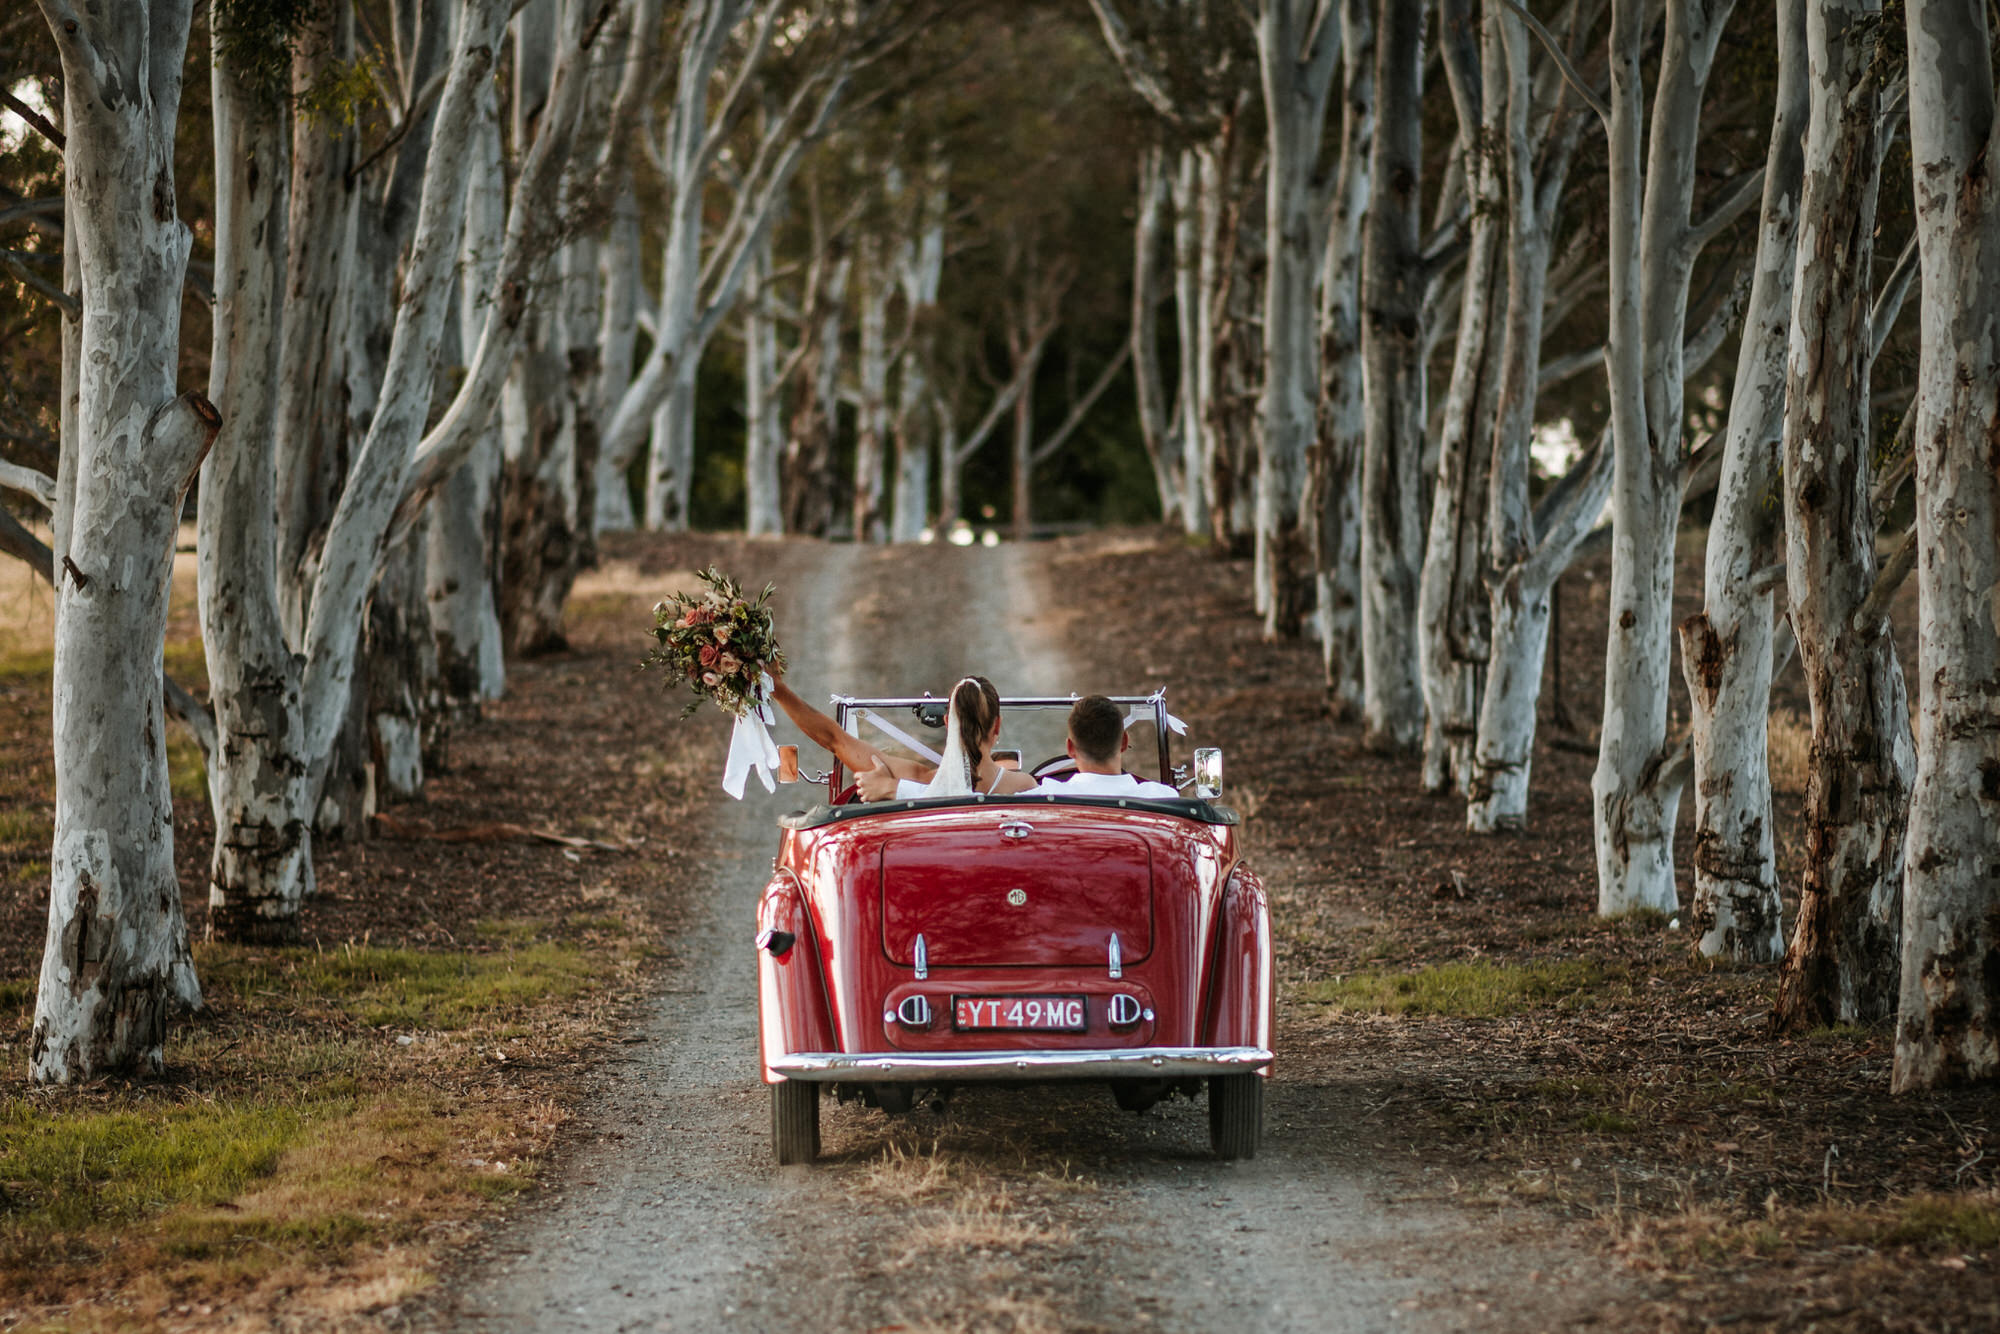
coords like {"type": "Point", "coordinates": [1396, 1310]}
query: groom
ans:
{"type": "Point", "coordinates": [1097, 742]}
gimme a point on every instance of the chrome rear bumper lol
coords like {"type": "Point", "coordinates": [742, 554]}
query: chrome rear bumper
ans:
{"type": "Point", "coordinates": [952, 1066]}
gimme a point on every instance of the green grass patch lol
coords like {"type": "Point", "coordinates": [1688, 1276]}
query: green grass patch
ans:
{"type": "Point", "coordinates": [27, 663]}
{"type": "Point", "coordinates": [27, 826]}
{"type": "Point", "coordinates": [1938, 1222]}
{"type": "Point", "coordinates": [1478, 989]}
{"type": "Point", "coordinates": [404, 988]}
{"type": "Point", "coordinates": [70, 1168]}
{"type": "Point", "coordinates": [187, 771]}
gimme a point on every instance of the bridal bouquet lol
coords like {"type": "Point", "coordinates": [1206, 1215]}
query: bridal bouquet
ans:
{"type": "Point", "coordinates": [718, 643]}
{"type": "Point", "coordinates": [722, 646]}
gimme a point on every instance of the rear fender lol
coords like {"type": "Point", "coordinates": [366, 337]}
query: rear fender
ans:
{"type": "Point", "coordinates": [1238, 1013]}
{"type": "Point", "coordinates": [792, 1012]}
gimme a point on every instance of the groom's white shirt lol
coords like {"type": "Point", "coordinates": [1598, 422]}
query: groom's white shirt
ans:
{"type": "Point", "coordinates": [1101, 785]}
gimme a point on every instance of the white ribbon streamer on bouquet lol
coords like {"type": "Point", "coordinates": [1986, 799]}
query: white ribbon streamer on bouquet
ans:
{"type": "Point", "coordinates": [750, 743]}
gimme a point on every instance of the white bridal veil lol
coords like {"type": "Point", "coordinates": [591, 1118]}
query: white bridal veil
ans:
{"type": "Point", "coordinates": [954, 771]}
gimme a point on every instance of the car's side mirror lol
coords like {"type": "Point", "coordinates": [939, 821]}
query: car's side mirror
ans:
{"type": "Point", "coordinates": [788, 764]}
{"type": "Point", "coordinates": [1207, 772]}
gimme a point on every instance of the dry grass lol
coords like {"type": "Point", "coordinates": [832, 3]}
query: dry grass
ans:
{"type": "Point", "coordinates": [1790, 750]}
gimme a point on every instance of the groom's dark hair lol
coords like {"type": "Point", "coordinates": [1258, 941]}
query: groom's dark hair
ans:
{"type": "Point", "coordinates": [1096, 724]}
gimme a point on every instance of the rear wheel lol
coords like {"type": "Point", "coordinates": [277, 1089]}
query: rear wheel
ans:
{"type": "Point", "coordinates": [794, 1121]}
{"type": "Point", "coordinates": [1235, 1115]}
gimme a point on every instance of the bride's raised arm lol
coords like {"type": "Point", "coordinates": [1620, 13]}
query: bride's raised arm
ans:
{"type": "Point", "coordinates": [850, 750]}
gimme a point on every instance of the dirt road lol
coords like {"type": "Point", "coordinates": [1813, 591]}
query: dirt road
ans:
{"type": "Point", "coordinates": [1030, 1210]}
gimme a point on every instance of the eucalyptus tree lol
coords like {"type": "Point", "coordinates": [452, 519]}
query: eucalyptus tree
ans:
{"type": "Point", "coordinates": [1334, 474]}
{"type": "Point", "coordinates": [700, 280]}
{"type": "Point", "coordinates": [1394, 276]}
{"type": "Point", "coordinates": [266, 782]}
{"type": "Point", "coordinates": [1298, 54]}
{"type": "Point", "coordinates": [1728, 648]}
{"type": "Point", "coordinates": [1947, 1029]}
{"type": "Point", "coordinates": [1542, 120]}
{"type": "Point", "coordinates": [1189, 62]}
{"type": "Point", "coordinates": [1655, 241]}
{"type": "Point", "coordinates": [1451, 631]}
{"type": "Point", "coordinates": [1841, 965]}
{"type": "Point", "coordinates": [116, 963]}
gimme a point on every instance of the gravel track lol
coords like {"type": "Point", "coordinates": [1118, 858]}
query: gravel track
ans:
{"type": "Point", "coordinates": [1026, 1210]}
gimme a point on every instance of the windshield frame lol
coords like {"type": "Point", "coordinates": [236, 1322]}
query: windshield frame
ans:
{"type": "Point", "coordinates": [845, 706]}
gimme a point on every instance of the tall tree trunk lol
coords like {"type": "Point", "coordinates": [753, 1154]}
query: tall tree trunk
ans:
{"type": "Point", "coordinates": [871, 435]}
{"type": "Point", "coordinates": [920, 268]}
{"type": "Point", "coordinates": [1336, 474]}
{"type": "Point", "coordinates": [1636, 793]}
{"type": "Point", "coordinates": [1841, 966]}
{"type": "Point", "coordinates": [763, 408]}
{"type": "Point", "coordinates": [1191, 328]}
{"type": "Point", "coordinates": [1159, 428]}
{"type": "Point", "coordinates": [1023, 451]}
{"type": "Point", "coordinates": [618, 259]}
{"type": "Point", "coordinates": [1451, 599]}
{"type": "Point", "coordinates": [1948, 1027]}
{"type": "Point", "coordinates": [1527, 552]}
{"type": "Point", "coordinates": [809, 480]}
{"type": "Point", "coordinates": [466, 634]}
{"type": "Point", "coordinates": [1392, 283]}
{"type": "Point", "coordinates": [116, 962]}
{"type": "Point", "coordinates": [1298, 58]}
{"type": "Point", "coordinates": [258, 787]}
{"type": "Point", "coordinates": [1726, 647]}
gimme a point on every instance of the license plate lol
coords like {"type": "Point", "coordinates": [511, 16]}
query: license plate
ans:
{"type": "Point", "coordinates": [1043, 1014]}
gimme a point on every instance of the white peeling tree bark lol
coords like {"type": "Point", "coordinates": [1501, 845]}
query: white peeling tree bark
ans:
{"type": "Point", "coordinates": [1526, 551]}
{"type": "Point", "coordinates": [1159, 425]}
{"type": "Point", "coordinates": [116, 964]}
{"type": "Point", "coordinates": [1948, 1020]}
{"type": "Point", "coordinates": [919, 262]}
{"type": "Point", "coordinates": [871, 435]}
{"type": "Point", "coordinates": [1336, 462]}
{"type": "Point", "coordinates": [1841, 966]}
{"type": "Point", "coordinates": [763, 408]}
{"type": "Point", "coordinates": [1636, 793]}
{"type": "Point", "coordinates": [259, 787]}
{"type": "Point", "coordinates": [458, 575]}
{"type": "Point", "coordinates": [1298, 53]}
{"type": "Point", "coordinates": [1392, 286]}
{"type": "Point", "coordinates": [1190, 322]}
{"type": "Point", "coordinates": [1726, 647]}
{"type": "Point", "coordinates": [1451, 599]}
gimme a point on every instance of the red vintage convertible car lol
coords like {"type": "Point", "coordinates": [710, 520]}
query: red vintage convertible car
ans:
{"type": "Point", "coordinates": [906, 946]}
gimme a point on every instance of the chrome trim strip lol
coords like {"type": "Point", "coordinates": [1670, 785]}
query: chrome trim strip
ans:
{"type": "Point", "coordinates": [952, 1066]}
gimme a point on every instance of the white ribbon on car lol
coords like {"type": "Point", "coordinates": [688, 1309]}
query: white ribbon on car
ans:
{"type": "Point", "coordinates": [895, 733]}
{"type": "Point", "coordinates": [1143, 713]}
{"type": "Point", "coordinates": [750, 743]}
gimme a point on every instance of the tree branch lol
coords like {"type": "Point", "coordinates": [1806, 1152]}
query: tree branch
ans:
{"type": "Point", "coordinates": [63, 301]}
{"type": "Point", "coordinates": [1872, 616]}
{"type": "Point", "coordinates": [1083, 406]}
{"type": "Point", "coordinates": [34, 118]}
{"type": "Point", "coordinates": [1889, 305]}
{"type": "Point", "coordinates": [1737, 197]}
{"type": "Point", "coordinates": [1561, 57]}
{"type": "Point", "coordinates": [27, 481]}
{"type": "Point", "coordinates": [17, 541]}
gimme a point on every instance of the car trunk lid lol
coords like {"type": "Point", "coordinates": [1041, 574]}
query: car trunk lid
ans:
{"type": "Point", "coordinates": [1055, 899]}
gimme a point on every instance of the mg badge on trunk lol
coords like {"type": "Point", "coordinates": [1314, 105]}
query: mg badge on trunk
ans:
{"type": "Point", "coordinates": [1017, 897]}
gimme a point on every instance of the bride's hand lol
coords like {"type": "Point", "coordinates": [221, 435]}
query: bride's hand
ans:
{"type": "Point", "coordinates": [877, 783]}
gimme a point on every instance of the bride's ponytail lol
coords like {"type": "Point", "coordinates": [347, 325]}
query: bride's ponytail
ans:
{"type": "Point", "coordinates": [972, 703]}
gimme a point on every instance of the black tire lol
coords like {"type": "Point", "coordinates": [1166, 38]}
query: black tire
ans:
{"type": "Point", "coordinates": [794, 1121]}
{"type": "Point", "coordinates": [1235, 1115]}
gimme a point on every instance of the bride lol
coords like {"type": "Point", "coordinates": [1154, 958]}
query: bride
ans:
{"type": "Point", "coordinates": [966, 767]}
